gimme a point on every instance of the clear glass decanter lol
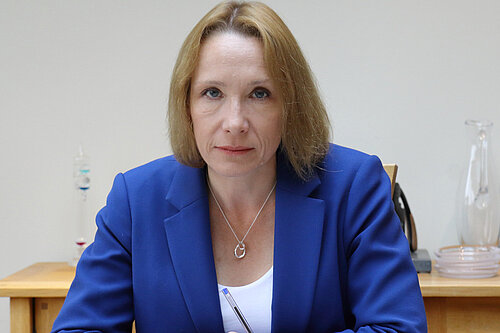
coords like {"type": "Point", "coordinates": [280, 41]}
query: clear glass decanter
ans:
{"type": "Point", "coordinates": [479, 220]}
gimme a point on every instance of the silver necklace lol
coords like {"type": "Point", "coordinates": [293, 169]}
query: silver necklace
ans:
{"type": "Point", "coordinates": [240, 249]}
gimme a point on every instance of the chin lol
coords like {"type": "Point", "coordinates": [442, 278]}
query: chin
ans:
{"type": "Point", "coordinates": [232, 170]}
{"type": "Point", "coordinates": [242, 168]}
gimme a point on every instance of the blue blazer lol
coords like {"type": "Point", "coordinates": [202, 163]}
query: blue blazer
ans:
{"type": "Point", "coordinates": [341, 261]}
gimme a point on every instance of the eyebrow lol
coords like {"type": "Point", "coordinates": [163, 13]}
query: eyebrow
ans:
{"type": "Point", "coordinates": [222, 84]}
{"type": "Point", "coordinates": [259, 82]}
{"type": "Point", "coordinates": [211, 82]}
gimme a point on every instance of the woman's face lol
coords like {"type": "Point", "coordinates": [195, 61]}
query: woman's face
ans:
{"type": "Point", "coordinates": [235, 107]}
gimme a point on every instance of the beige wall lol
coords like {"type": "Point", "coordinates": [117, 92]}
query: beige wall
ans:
{"type": "Point", "coordinates": [399, 79]}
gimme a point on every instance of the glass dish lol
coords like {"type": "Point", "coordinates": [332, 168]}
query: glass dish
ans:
{"type": "Point", "coordinates": [478, 275]}
{"type": "Point", "coordinates": [468, 252]}
{"type": "Point", "coordinates": [468, 262]}
{"type": "Point", "coordinates": [457, 269]}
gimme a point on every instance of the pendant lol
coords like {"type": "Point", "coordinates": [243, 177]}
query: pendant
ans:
{"type": "Point", "coordinates": [240, 247]}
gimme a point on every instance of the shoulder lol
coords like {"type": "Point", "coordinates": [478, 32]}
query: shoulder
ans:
{"type": "Point", "coordinates": [342, 165]}
{"type": "Point", "coordinates": [156, 174]}
{"type": "Point", "coordinates": [334, 175]}
{"type": "Point", "coordinates": [342, 157]}
{"type": "Point", "coordinates": [163, 167]}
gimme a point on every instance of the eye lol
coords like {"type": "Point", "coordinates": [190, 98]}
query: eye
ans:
{"type": "Point", "coordinates": [260, 93]}
{"type": "Point", "coordinates": [212, 93]}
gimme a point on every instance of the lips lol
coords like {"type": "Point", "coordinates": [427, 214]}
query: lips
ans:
{"type": "Point", "coordinates": [235, 150]}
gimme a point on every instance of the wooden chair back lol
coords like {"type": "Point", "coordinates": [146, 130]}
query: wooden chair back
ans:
{"type": "Point", "coordinates": [392, 171]}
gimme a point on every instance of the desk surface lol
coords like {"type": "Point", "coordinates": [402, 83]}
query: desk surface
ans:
{"type": "Point", "coordinates": [44, 279]}
{"type": "Point", "coordinates": [53, 279]}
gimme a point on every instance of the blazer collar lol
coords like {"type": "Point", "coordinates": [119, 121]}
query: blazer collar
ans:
{"type": "Point", "coordinates": [297, 244]}
{"type": "Point", "coordinates": [190, 244]}
{"type": "Point", "coordinates": [289, 181]}
{"type": "Point", "coordinates": [188, 185]}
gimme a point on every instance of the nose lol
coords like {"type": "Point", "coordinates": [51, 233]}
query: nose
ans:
{"type": "Point", "coordinates": [235, 120]}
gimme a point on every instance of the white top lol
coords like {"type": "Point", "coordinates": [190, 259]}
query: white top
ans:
{"type": "Point", "coordinates": [254, 301]}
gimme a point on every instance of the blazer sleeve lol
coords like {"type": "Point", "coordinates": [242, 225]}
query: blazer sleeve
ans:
{"type": "Point", "coordinates": [382, 285]}
{"type": "Point", "coordinates": [100, 298]}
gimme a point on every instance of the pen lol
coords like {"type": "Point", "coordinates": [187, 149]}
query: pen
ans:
{"type": "Point", "coordinates": [237, 310]}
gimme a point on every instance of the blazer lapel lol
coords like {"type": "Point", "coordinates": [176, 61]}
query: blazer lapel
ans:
{"type": "Point", "coordinates": [297, 244]}
{"type": "Point", "coordinates": [190, 245]}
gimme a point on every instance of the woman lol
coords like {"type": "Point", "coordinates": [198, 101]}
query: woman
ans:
{"type": "Point", "coordinates": [302, 233]}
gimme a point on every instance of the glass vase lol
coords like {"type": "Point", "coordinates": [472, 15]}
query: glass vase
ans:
{"type": "Point", "coordinates": [479, 222]}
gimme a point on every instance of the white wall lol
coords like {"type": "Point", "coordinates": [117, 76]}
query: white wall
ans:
{"type": "Point", "coordinates": [399, 79]}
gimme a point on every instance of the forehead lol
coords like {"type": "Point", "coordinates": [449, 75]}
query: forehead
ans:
{"type": "Point", "coordinates": [230, 51]}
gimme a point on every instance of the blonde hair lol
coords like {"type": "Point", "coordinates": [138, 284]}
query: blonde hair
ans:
{"type": "Point", "coordinates": [305, 131]}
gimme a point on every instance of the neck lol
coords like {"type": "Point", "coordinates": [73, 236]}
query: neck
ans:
{"type": "Point", "coordinates": [241, 193]}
